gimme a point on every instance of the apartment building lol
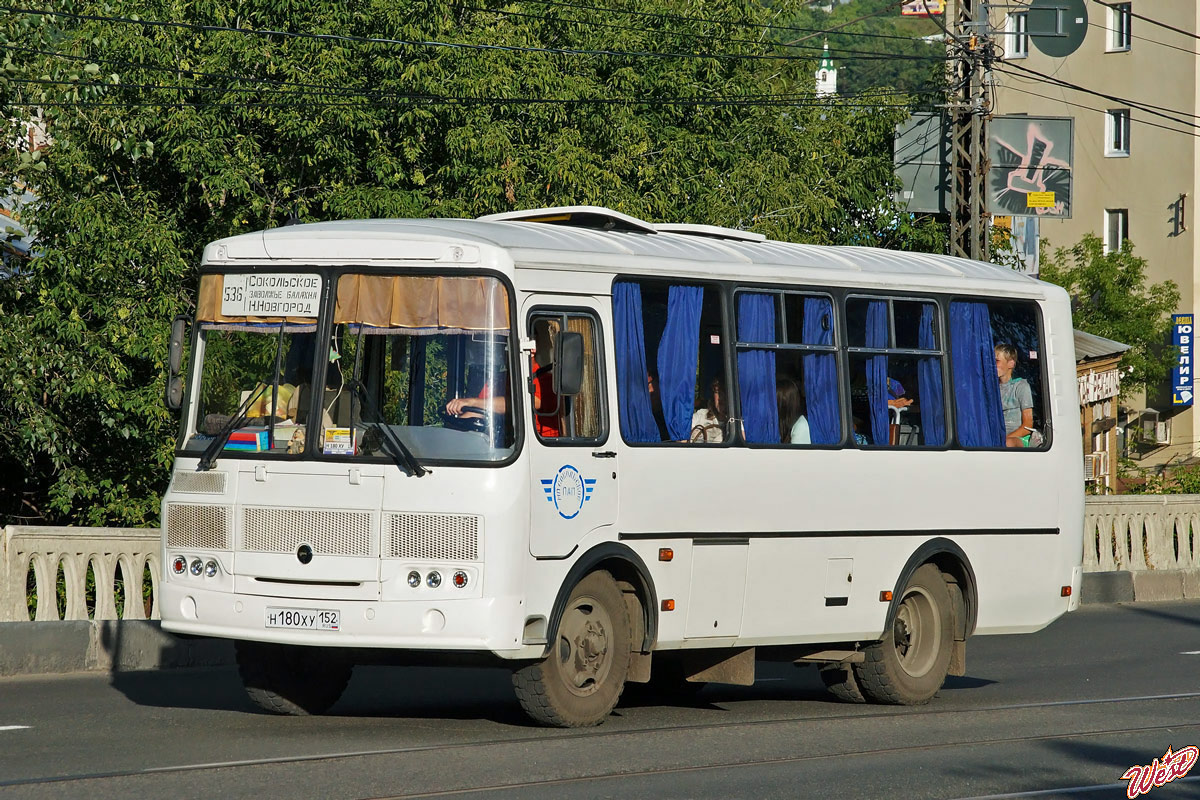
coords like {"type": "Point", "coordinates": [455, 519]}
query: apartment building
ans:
{"type": "Point", "coordinates": [1132, 88]}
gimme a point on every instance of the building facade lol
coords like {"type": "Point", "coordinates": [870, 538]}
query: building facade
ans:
{"type": "Point", "coordinates": [1132, 88]}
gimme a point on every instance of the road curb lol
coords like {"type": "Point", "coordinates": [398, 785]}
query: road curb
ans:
{"type": "Point", "coordinates": [39, 648]}
{"type": "Point", "coordinates": [1142, 586]}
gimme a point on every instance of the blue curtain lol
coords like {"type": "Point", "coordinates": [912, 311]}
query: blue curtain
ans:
{"type": "Point", "coordinates": [633, 393]}
{"type": "Point", "coordinates": [820, 374]}
{"type": "Point", "coordinates": [979, 418]}
{"type": "Point", "coordinates": [678, 355]}
{"type": "Point", "coordinates": [756, 368]}
{"type": "Point", "coordinates": [929, 384]}
{"type": "Point", "coordinates": [877, 378]}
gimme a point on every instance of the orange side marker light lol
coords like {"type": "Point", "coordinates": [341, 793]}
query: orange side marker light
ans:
{"type": "Point", "coordinates": [1066, 591]}
{"type": "Point", "coordinates": [668, 605]}
{"type": "Point", "coordinates": [885, 596]}
{"type": "Point", "coordinates": [665, 554]}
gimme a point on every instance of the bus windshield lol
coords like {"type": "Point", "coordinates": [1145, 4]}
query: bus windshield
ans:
{"type": "Point", "coordinates": [414, 362]}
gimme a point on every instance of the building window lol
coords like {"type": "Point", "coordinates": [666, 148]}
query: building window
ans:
{"type": "Point", "coordinates": [1116, 133]}
{"type": "Point", "coordinates": [1120, 20]}
{"type": "Point", "coordinates": [1018, 31]}
{"type": "Point", "coordinates": [1116, 228]}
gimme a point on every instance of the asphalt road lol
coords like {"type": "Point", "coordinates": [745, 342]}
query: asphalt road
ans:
{"type": "Point", "coordinates": [1061, 713]}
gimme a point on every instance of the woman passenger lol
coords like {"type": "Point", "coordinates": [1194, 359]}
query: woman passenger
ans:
{"type": "Point", "coordinates": [793, 427]}
{"type": "Point", "coordinates": [708, 423]}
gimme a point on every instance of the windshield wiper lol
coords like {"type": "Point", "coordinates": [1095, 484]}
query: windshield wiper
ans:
{"type": "Point", "coordinates": [404, 457]}
{"type": "Point", "coordinates": [210, 453]}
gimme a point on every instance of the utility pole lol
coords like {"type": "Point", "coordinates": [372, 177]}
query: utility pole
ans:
{"type": "Point", "coordinates": [971, 56]}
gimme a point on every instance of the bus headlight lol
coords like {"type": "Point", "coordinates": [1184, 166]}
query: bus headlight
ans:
{"type": "Point", "coordinates": [414, 579]}
{"type": "Point", "coordinates": [197, 567]}
{"type": "Point", "coordinates": [434, 579]}
{"type": "Point", "coordinates": [210, 569]}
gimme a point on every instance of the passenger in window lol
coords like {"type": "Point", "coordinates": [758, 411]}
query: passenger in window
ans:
{"type": "Point", "coordinates": [859, 438]}
{"type": "Point", "coordinates": [656, 407]}
{"type": "Point", "coordinates": [896, 395]}
{"type": "Point", "coordinates": [793, 426]}
{"type": "Point", "coordinates": [708, 423]}
{"type": "Point", "coordinates": [546, 411]}
{"type": "Point", "coordinates": [545, 401]}
{"type": "Point", "coordinates": [1016, 398]}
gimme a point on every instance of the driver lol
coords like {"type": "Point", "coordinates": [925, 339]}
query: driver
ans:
{"type": "Point", "coordinates": [541, 364]}
{"type": "Point", "coordinates": [462, 407]}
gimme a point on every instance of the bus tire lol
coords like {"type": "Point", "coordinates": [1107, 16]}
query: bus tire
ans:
{"type": "Point", "coordinates": [910, 663]}
{"type": "Point", "coordinates": [291, 680]}
{"type": "Point", "coordinates": [842, 684]}
{"type": "Point", "coordinates": [580, 680]}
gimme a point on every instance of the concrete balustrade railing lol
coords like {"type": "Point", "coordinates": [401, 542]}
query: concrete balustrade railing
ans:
{"type": "Point", "coordinates": [1141, 532]}
{"type": "Point", "coordinates": [1130, 533]}
{"type": "Point", "coordinates": [46, 550]}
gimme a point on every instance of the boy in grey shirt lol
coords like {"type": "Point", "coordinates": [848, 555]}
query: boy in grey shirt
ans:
{"type": "Point", "coordinates": [1016, 398]}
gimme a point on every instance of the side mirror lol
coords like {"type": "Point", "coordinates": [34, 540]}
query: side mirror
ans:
{"type": "Point", "coordinates": [568, 365]}
{"type": "Point", "coordinates": [174, 395]}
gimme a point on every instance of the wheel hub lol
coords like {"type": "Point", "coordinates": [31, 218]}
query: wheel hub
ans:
{"type": "Point", "coordinates": [902, 635]}
{"type": "Point", "coordinates": [584, 649]}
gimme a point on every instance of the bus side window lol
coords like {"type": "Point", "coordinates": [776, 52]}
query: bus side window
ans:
{"type": "Point", "coordinates": [997, 370]}
{"type": "Point", "coordinates": [670, 359]}
{"type": "Point", "coordinates": [897, 395]}
{"type": "Point", "coordinates": [574, 418]}
{"type": "Point", "coordinates": [788, 390]}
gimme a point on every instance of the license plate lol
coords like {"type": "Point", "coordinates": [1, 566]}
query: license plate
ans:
{"type": "Point", "coordinates": [304, 619]}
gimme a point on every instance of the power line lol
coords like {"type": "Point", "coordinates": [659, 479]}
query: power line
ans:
{"type": "Point", "coordinates": [828, 31]}
{"type": "Point", "coordinates": [728, 23]}
{"type": "Point", "coordinates": [1054, 82]}
{"type": "Point", "coordinates": [461, 101]}
{"type": "Point", "coordinates": [346, 38]}
{"type": "Point", "coordinates": [323, 90]}
{"type": "Point", "coordinates": [1067, 84]}
{"type": "Point", "coordinates": [1147, 40]}
{"type": "Point", "coordinates": [1101, 111]}
{"type": "Point", "coordinates": [305, 89]}
{"type": "Point", "coordinates": [843, 55]}
{"type": "Point", "coordinates": [766, 100]}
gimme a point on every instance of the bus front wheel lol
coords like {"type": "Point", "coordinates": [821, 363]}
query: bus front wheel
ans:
{"type": "Point", "coordinates": [580, 680]}
{"type": "Point", "coordinates": [909, 665]}
{"type": "Point", "coordinates": [292, 680]}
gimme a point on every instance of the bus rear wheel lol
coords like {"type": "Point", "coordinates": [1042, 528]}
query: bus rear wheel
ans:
{"type": "Point", "coordinates": [909, 665]}
{"type": "Point", "coordinates": [842, 684]}
{"type": "Point", "coordinates": [580, 680]}
{"type": "Point", "coordinates": [290, 680]}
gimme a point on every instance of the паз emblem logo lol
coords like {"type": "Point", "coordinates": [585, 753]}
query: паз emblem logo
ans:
{"type": "Point", "coordinates": [568, 491]}
{"type": "Point", "coordinates": [1144, 777]}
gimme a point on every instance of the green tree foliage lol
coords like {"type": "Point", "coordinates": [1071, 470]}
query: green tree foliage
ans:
{"type": "Point", "coordinates": [166, 137]}
{"type": "Point", "coordinates": [1112, 299]}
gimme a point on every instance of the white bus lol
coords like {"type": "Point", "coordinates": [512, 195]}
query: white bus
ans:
{"type": "Point", "coordinates": [600, 451]}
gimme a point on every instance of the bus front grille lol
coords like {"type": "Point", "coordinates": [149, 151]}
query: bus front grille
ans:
{"type": "Point", "coordinates": [198, 482]}
{"type": "Point", "coordinates": [441, 537]}
{"type": "Point", "coordinates": [199, 527]}
{"type": "Point", "coordinates": [330, 533]}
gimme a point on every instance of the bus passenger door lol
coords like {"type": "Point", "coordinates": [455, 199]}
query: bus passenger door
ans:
{"type": "Point", "coordinates": [574, 466]}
